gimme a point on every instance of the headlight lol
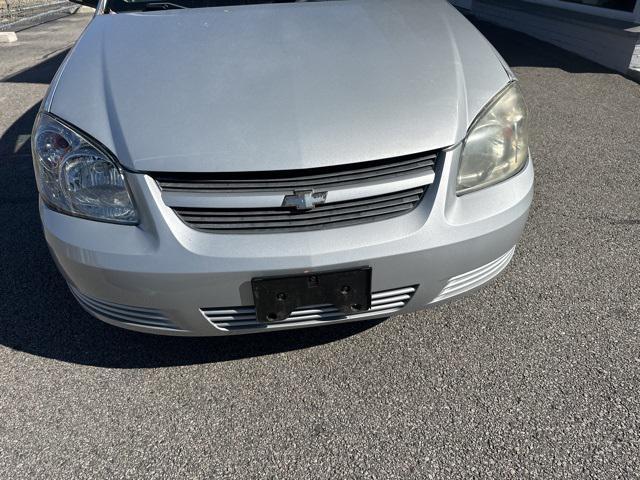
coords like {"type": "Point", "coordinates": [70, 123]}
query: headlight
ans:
{"type": "Point", "coordinates": [77, 177]}
{"type": "Point", "coordinates": [497, 144]}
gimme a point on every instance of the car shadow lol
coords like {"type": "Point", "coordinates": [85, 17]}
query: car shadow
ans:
{"type": "Point", "coordinates": [43, 72]}
{"type": "Point", "coordinates": [15, 139]}
{"type": "Point", "coordinates": [38, 314]}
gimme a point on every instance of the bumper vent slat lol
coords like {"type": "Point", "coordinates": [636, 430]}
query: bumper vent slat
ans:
{"type": "Point", "coordinates": [124, 314]}
{"type": "Point", "coordinates": [243, 318]}
{"type": "Point", "coordinates": [284, 219]}
{"type": "Point", "coordinates": [470, 280]}
{"type": "Point", "coordinates": [289, 180]}
{"type": "Point", "coordinates": [274, 214]}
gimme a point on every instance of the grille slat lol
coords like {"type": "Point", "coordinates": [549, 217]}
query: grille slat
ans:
{"type": "Point", "coordinates": [209, 187]}
{"type": "Point", "coordinates": [383, 303]}
{"type": "Point", "coordinates": [283, 219]}
{"type": "Point", "coordinates": [291, 180]}
{"type": "Point", "coordinates": [322, 210]}
{"type": "Point", "coordinates": [393, 293]}
{"type": "Point", "coordinates": [287, 217]}
{"type": "Point", "coordinates": [288, 222]}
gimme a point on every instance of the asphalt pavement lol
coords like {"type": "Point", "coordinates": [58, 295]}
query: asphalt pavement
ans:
{"type": "Point", "coordinates": [535, 376]}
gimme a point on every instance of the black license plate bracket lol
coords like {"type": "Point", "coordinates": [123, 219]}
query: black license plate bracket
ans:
{"type": "Point", "coordinates": [275, 298]}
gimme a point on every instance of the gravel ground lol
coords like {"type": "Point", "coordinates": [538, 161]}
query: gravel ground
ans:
{"type": "Point", "coordinates": [535, 376]}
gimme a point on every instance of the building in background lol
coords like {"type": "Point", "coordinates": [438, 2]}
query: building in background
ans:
{"type": "Point", "coordinates": [605, 31]}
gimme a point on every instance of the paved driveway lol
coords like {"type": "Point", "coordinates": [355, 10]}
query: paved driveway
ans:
{"type": "Point", "coordinates": [535, 376]}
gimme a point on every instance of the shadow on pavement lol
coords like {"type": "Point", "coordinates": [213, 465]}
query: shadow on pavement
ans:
{"type": "Point", "coordinates": [40, 316]}
{"type": "Point", "coordinates": [43, 72]}
{"type": "Point", "coordinates": [15, 140]}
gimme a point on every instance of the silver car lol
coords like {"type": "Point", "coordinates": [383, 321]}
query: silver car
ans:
{"type": "Point", "coordinates": [214, 168]}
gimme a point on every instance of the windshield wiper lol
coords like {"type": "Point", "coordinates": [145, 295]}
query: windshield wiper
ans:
{"type": "Point", "coordinates": [161, 6]}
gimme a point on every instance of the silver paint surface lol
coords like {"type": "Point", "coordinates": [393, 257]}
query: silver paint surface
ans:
{"type": "Point", "coordinates": [277, 86]}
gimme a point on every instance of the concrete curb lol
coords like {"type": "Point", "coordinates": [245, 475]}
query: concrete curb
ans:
{"type": "Point", "coordinates": [40, 18]}
{"type": "Point", "coordinates": [44, 17]}
{"type": "Point", "coordinates": [8, 37]}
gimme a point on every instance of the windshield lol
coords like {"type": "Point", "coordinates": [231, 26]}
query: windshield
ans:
{"type": "Point", "coordinates": [149, 5]}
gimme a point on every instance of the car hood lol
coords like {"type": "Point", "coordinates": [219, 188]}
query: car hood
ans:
{"type": "Point", "coordinates": [277, 86]}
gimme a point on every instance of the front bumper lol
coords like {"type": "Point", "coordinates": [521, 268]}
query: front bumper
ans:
{"type": "Point", "coordinates": [164, 277]}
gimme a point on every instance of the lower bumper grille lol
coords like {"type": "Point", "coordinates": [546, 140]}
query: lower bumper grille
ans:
{"type": "Point", "coordinates": [124, 314]}
{"type": "Point", "coordinates": [338, 214]}
{"type": "Point", "coordinates": [474, 278]}
{"type": "Point", "coordinates": [241, 318]}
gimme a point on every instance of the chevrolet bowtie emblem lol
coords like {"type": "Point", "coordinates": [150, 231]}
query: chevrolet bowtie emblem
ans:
{"type": "Point", "coordinates": [304, 199]}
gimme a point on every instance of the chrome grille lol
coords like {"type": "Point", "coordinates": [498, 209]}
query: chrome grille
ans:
{"type": "Point", "coordinates": [244, 318]}
{"type": "Point", "coordinates": [362, 210]}
{"type": "Point", "coordinates": [289, 180]}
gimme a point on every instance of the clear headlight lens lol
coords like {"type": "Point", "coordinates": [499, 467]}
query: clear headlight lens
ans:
{"type": "Point", "coordinates": [497, 145]}
{"type": "Point", "coordinates": [76, 177]}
